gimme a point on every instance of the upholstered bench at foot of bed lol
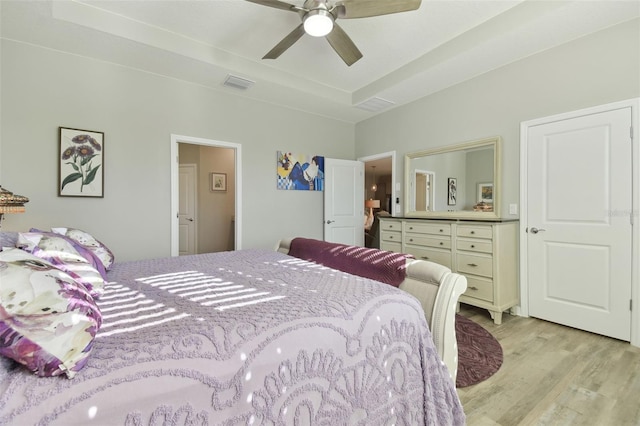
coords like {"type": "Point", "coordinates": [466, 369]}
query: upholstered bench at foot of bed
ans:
{"type": "Point", "coordinates": [438, 290]}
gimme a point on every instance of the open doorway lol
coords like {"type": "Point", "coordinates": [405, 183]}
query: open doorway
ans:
{"type": "Point", "coordinates": [379, 179]}
{"type": "Point", "coordinates": [211, 193]}
{"type": "Point", "coordinates": [379, 193]}
{"type": "Point", "coordinates": [218, 190]}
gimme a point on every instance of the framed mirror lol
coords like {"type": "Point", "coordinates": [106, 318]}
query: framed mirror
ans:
{"type": "Point", "coordinates": [455, 182]}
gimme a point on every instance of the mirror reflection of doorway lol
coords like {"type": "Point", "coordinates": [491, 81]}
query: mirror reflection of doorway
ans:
{"type": "Point", "coordinates": [424, 190]}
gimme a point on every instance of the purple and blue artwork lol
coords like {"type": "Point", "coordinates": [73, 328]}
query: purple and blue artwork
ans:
{"type": "Point", "coordinates": [300, 172]}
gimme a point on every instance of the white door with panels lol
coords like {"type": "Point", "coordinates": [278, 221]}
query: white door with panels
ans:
{"type": "Point", "coordinates": [344, 201]}
{"type": "Point", "coordinates": [579, 221]}
{"type": "Point", "coordinates": [187, 204]}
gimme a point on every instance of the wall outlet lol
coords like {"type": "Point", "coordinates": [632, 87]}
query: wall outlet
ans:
{"type": "Point", "coordinates": [513, 209]}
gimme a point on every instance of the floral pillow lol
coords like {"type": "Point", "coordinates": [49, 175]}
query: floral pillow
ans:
{"type": "Point", "coordinates": [48, 321]}
{"type": "Point", "coordinates": [87, 240]}
{"type": "Point", "coordinates": [67, 255]}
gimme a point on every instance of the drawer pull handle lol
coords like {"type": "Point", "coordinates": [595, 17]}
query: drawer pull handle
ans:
{"type": "Point", "coordinates": [410, 240]}
{"type": "Point", "coordinates": [473, 288]}
{"type": "Point", "coordinates": [473, 232]}
{"type": "Point", "coordinates": [424, 257]}
{"type": "Point", "coordinates": [473, 246]}
{"type": "Point", "coordinates": [391, 237]}
{"type": "Point", "coordinates": [442, 230]}
{"type": "Point", "coordinates": [441, 243]}
{"type": "Point", "coordinates": [472, 264]}
{"type": "Point", "coordinates": [411, 228]}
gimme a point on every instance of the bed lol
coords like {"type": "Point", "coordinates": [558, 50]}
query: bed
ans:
{"type": "Point", "coordinates": [255, 337]}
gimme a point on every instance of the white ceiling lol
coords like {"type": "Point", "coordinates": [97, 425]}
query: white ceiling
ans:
{"type": "Point", "coordinates": [406, 56]}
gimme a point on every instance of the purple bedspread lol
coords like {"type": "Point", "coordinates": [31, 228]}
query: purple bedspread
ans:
{"type": "Point", "coordinates": [245, 337]}
{"type": "Point", "coordinates": [385, 266]}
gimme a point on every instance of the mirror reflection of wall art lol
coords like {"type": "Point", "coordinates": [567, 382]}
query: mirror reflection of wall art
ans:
{"type": "Point", "coordinates": [300, 171]}
{"type": "Point", "coordinates": [218, 181]}
{"type": "Point", "coordinates": [485, 192]}
{"type": "Point", "coordinates": [80, 163]}
{"type": "Point", "coordinates": [452, 185]}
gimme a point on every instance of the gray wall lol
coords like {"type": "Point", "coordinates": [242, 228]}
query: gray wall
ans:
{"type": "Point", "coordinates": [138, 111]}
{"type": "Point", "coordinates": [43, 89]}
{"type": "Point", "coordinates": [597, 69]}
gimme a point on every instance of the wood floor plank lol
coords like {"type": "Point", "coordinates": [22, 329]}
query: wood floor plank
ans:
{"type": "Point", "coordinates": [554, 375]}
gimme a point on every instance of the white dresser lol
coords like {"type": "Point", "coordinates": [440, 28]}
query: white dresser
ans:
{"type": "Point", "coordinates": [485, 252]}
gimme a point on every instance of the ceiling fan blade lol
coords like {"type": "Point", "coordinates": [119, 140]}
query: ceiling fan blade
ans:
{"type": "Point", "coordinates": [343, 45]}
{"type": "Point", "coordinates": [286, 43]}
{"type": "Point", "coordinates": [277, 4]}
{"type": "Point", "coordinates": [364, 8]}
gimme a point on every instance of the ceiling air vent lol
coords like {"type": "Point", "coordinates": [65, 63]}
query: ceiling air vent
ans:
{"type": "Point", "coordinates": [375, 104]}
{"type": "Point", "coordinates": [236, 82]}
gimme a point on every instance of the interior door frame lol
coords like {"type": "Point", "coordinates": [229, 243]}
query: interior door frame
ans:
{"type": "Point", "coordinates": [174, 160]}
{"type": "Point", "coordinates": [395, 184]}
{"type": "Point", "coordinates": [634, 104]}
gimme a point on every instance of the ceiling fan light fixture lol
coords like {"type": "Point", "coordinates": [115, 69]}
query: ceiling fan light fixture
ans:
{"type": "Point", "coordinates": [318, 22]}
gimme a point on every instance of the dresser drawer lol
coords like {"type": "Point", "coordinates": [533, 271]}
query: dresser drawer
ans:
{"type": "Point", "coordinates": [481, 246]}
{"type": "Point", "coordinates": [473, 264]}
{"type": "Point", "coordinates": [391, 236]}
{"type": "Point", "coordinates": [428, 228]}
{"type": "Point", "coordinates": [386, 225]}
{"type": "Point", "coordinates": [479, 288]}
{"type": "Point", "coordinates": [442, 257]}
{"type": "Point", "coordinates": [427, 240]}
{"type": "Point", "coordinates": [475, 231]}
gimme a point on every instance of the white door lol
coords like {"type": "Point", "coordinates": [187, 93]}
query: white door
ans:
{"type": "Point", "coordinates": [344, 201]}
{"type": "Point", "coordinates": [187, 199]}
{"type": "Point", "coordinates": [579, 207]}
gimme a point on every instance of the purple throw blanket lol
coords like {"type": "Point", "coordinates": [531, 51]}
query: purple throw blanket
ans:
{"type": "Point", "coordinates": [379, 265]}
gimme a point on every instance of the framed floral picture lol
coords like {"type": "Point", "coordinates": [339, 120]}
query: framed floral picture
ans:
{"type": "Point", "coordinates": [218, 181]}
{"type": "Point", "coordinates": [81, 163]}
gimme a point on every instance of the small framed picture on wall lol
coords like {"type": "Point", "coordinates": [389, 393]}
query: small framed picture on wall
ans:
{"type": "Point", "coordinates": [218, 181]}
{"type": "Point", "coordinates": [452, 191]}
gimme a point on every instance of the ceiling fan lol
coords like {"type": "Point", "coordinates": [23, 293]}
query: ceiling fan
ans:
{"type": "Point", "coordinates": [319, 16]}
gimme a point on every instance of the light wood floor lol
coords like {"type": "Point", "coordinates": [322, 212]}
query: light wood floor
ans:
{"type": "Point", "coordinates": [554, 375]}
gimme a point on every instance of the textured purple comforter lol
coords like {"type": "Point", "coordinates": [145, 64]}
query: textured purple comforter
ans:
{"type": "Point", "coordinates": [245, 337]}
